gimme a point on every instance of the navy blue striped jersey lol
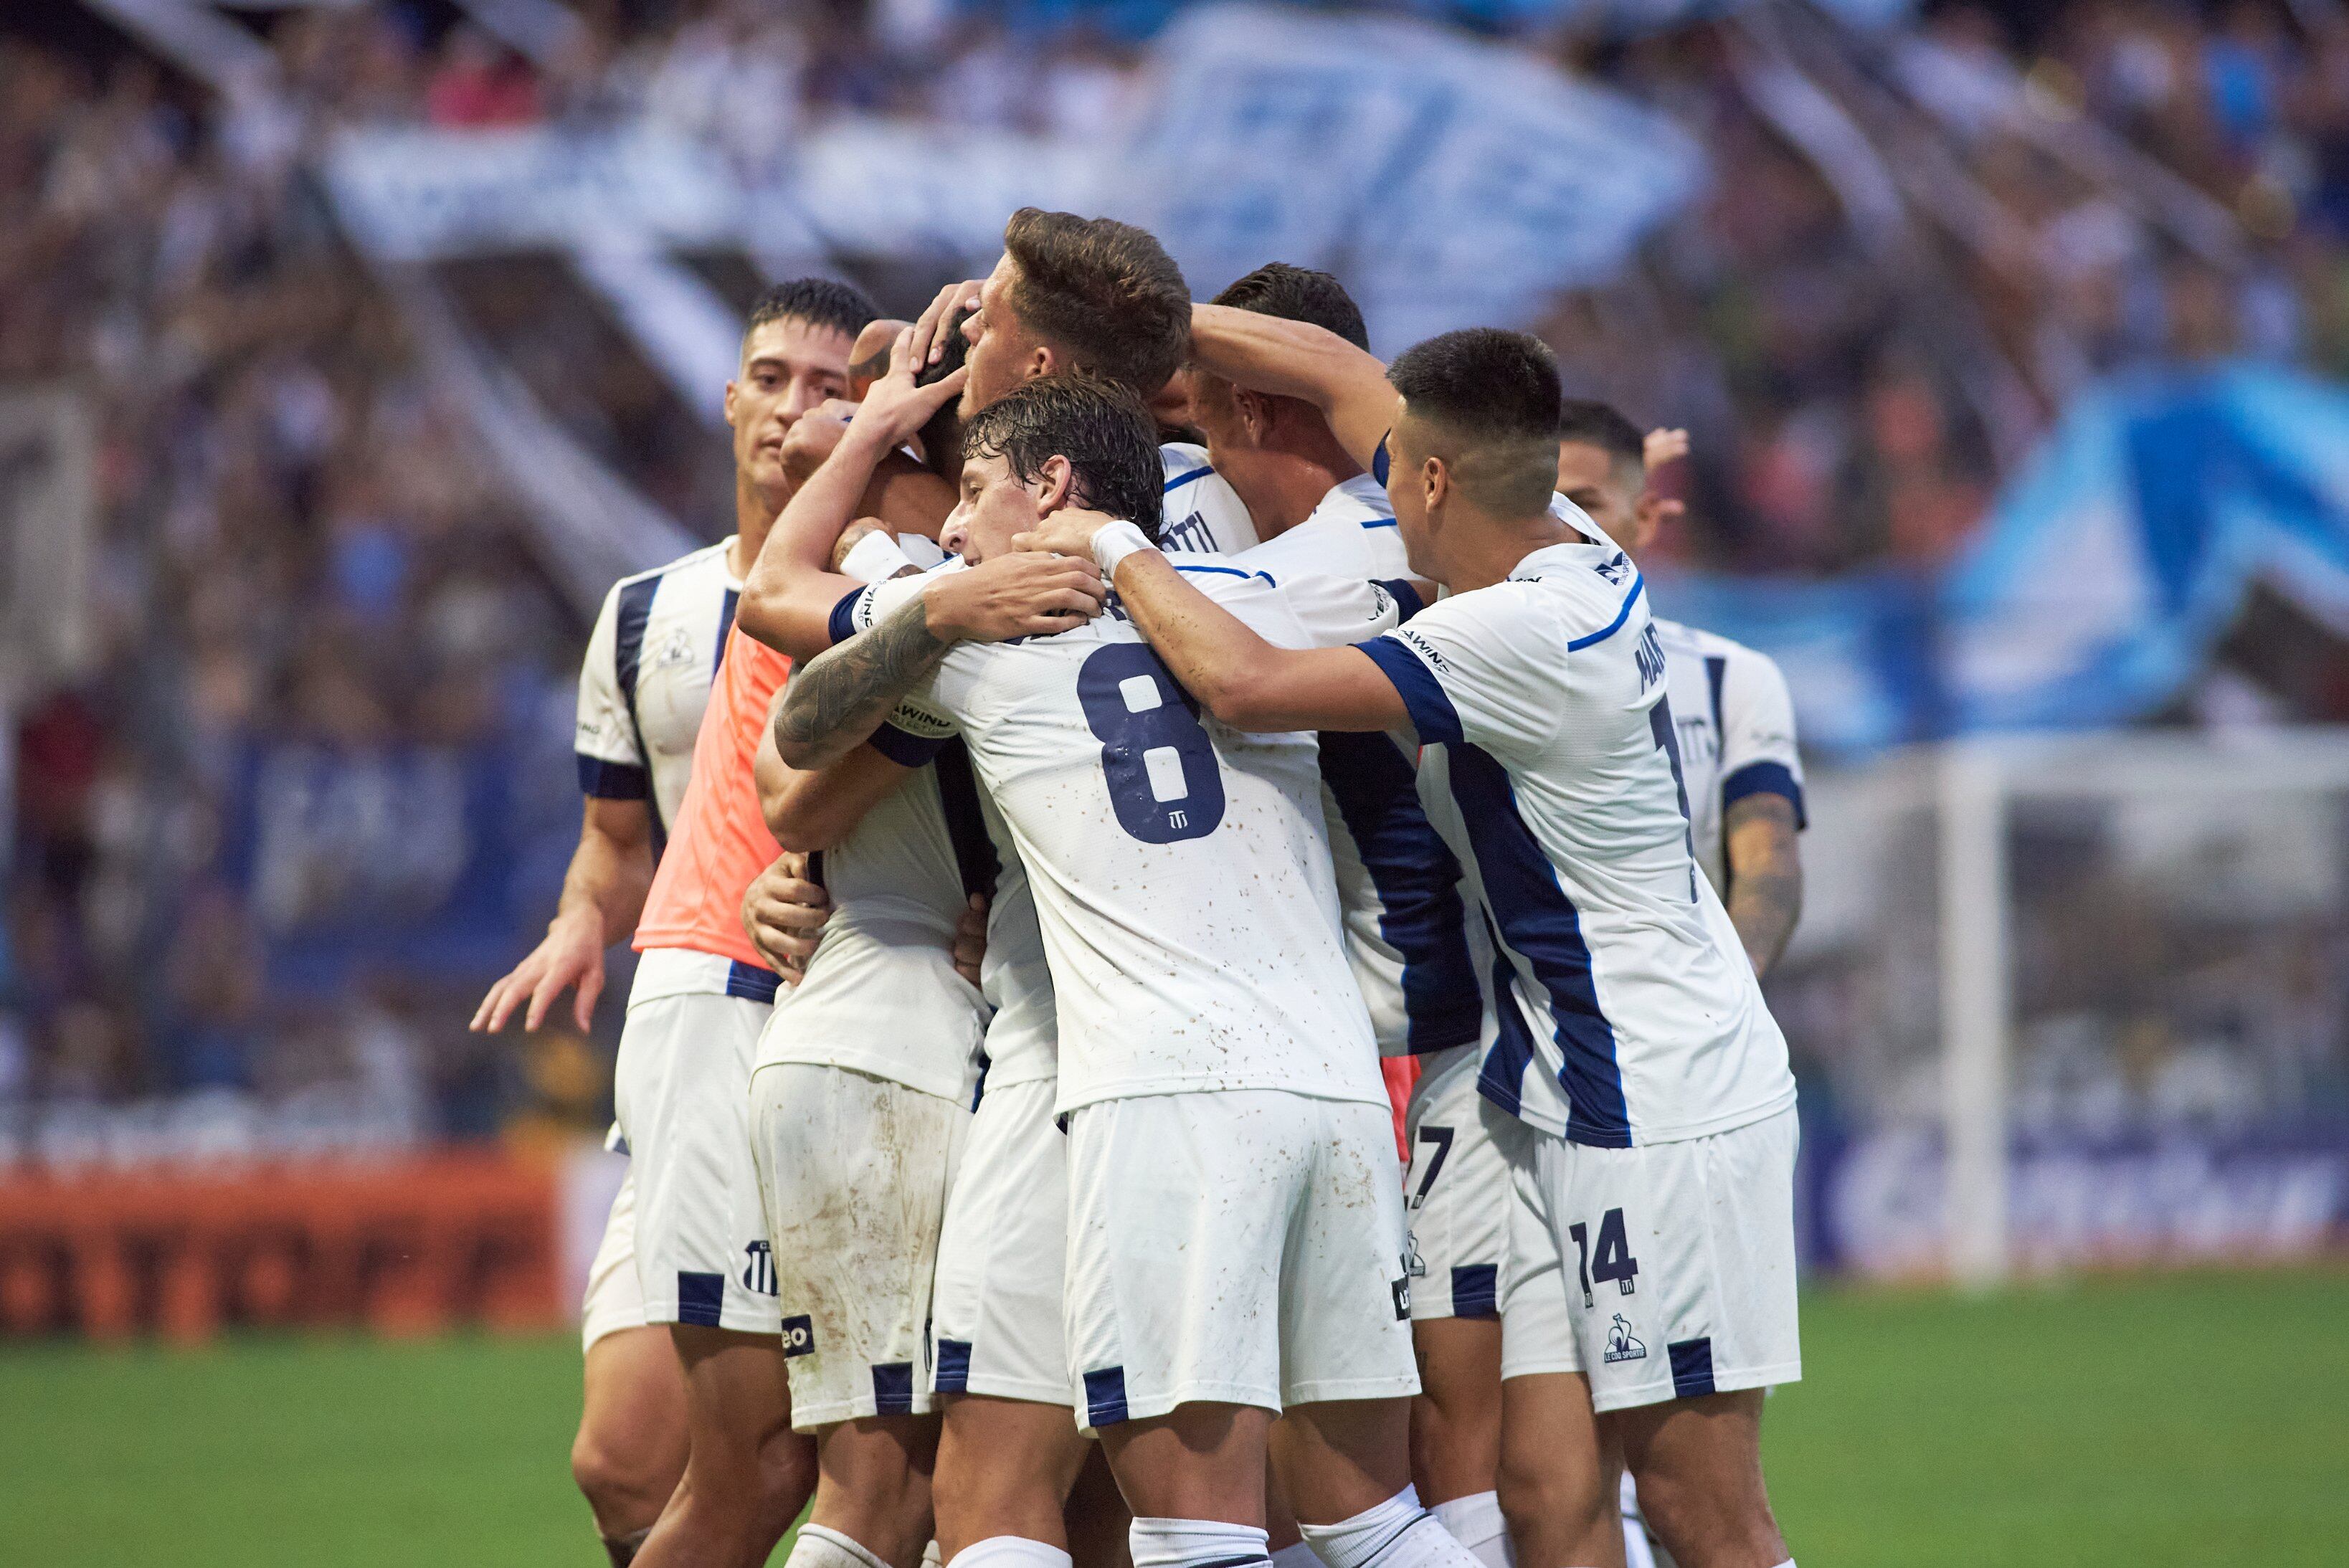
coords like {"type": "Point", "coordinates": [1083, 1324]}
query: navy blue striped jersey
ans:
{"type": "Point", "coordinates": [1541, 706]}
{"type": "Point", "coordinates": [645, 680]}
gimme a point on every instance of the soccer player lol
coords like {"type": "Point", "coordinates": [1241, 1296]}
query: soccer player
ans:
{"type": "Point", "coordinates": [1234, 1223]}
{"type": "Point", "coordinates": [1102, 297]}
{"type": "Point", "coordinates": [643, 689]}
{"type": "Point", "coordinates": [1650, 1269]}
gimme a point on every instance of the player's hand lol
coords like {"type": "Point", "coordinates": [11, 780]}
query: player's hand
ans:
{"type": "Point", "coordinates": [1067, 532]}
{"type": "Point", "coordinates": [571, 955]}
{"type": "Point", "coordinates": [927, 345]}
{"type": "Point", "coordinates": [813, 436]}
{"type": "Point", "coordinates": [970, 939]}
{"type": "Point", "coordinates": [894, 408]}
{"type": "Point", "coordinates": [783, 915]}
{"type": "Point", "coordinates": [1014, 596]}
{"type": "Point", "coordinates": [1662, 447]}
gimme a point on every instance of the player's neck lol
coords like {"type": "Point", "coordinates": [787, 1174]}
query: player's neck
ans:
{"type": "Point", "coordinates": [1287, 498]}
{"type": "Point", "coordinates": [1482, 549]}
{"type": "Point", "coordinates": [755, 512]}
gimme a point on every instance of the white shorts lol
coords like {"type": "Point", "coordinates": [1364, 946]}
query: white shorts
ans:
{"type": "Point", "coordinates": [853, 1169]}
{"type": "Point", "coordinates": [1664, 1271]}
{"type": "Point", "coordinates": [615, 1300]}
{"type": "Point", "coordinates": [681, 1089]}
{"type": "Point", "coordinates": [1237, 1245]}
{"type": "Point", "coordinates": [1458, 1190]}
{"type": "Point", "coordinates": [1002, 1253]}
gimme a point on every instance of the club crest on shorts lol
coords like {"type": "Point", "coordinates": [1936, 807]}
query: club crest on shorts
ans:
{"type": "Point", "coordinates": [1621, 1345]}
{"type": "Point", "coordinates": [758, 1272]}
{"type": "Point", "coordinates": [798, 1334]}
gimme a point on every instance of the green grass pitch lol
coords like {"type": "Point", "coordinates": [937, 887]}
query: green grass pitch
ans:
{"type": "Point", "coordinates": [2182, 1418]}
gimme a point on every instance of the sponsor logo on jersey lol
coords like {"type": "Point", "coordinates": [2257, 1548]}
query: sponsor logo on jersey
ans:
{"type": "Point", "coordinates": [1426, 649]}
{"type": "Point", "coordinates": [1401, 1291]}
{"type": "Point", "coordinates": [1621, 1345]}
{"type": "Point", "coordinates": [799, 1336]}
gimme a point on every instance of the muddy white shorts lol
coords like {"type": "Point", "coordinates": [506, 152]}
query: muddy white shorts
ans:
{"type": "Point", "coordinates": [615, 1300]}
{"type": "Point", "coordinates": [1237, 1245]}
{"type": "Point", "coordinates": [995, 1316]}
{"type": "Point", "coordinates": [679, 1090]}
{"type": "Point", "coordinates": [1456, 1192]}
{"type": "Point", "coordinates": [854, 1170]}
{"type": "Point", "coordinates": [1661, 1272]}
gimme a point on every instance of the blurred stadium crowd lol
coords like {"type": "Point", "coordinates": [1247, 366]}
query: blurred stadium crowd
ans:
{"type": "Point", "coordinates": [332, 682]}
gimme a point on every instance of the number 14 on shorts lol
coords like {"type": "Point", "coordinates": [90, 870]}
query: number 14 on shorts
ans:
{"type": "Point", "coordinates": [1614, 1261]}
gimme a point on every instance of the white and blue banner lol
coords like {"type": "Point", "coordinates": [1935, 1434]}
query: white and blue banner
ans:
{"type": "Point", "coordinates": [1450, 182]}
{"type": "Point", "coordinates": [2108, 570]}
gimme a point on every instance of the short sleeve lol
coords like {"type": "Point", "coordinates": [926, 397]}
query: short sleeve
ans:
{"type": "Point", "coordinates": [862, 609]}
{"type": "Point", "coordinates": [1303, 610]}
{"type": "Point", "coordinates": [610, 763]}
{"type": "Point", "coordinates": [1481, 666]}
{"type": "Point", "coordinates": [1758, 755]}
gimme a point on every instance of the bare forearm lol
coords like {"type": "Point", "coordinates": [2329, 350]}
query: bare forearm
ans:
{"type": "Point", "coordinates": [787, 598]}
{"type": "Point", "coordinates": [1295, 359]}
{"type": "Point", "coordinates": [833, 702]}
{"type": "Point", "coordinates": [1208, 649]}
{"type": "Point", "coordinates": [1766, 876]}
{"type": "Point", "coordinates": [609, 875]}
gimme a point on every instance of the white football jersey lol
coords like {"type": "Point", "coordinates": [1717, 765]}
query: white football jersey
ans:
{"type": "Point", "coordinates": [881, 994]}
{"type": "Point", "coordinates": [645, 680]}
{"type": "Point", "coordinates": [1416, 953]}
{"type": "Point", "coordinates": [1202, 512]}
{"type": "Point", "coordinates": [1180, 869]}
{"type": "Point", "coordinates": [1542, 701]}
{"type": "Point", "coordinates": [1736, 728]}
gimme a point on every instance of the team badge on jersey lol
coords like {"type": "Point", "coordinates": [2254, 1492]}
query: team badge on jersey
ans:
{"type": "Point", "coordinates": [759, 1272]}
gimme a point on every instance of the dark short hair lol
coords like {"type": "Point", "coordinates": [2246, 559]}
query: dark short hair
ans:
{"type": "Point", "coordinates": [1105, 292]}
{"type": "Point", "coordinates": [1298, 293]}
{"type": "Point", "coordinates": [819, 302]}
{"type": "Point", "coordinates": [1592, 423]}
{"type": "Point", "coordinates": [1496, 397]}
{"type": "Point", "coordinates": [941, 436]}
{"type": "Point", "coordinates": [1103, 428]}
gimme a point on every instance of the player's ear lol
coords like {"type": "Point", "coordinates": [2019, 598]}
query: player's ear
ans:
{"type": "Point", "coordinates": [729, 402]}
{"type": "Point", "coordinates": [1436, 482]}
{"type": "Point", "coordinates": [1256, 412]}
{"type": "Point", "coordinates": [1042, 361]}
{"type": "Point", "coordinates": [1054, 485]}
{"type": "Point", "coordinates": [1647, 515]}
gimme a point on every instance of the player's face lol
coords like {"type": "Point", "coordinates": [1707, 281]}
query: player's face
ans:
{"type": "Point", "coordinates": [1592, 479]}
{"type": "Point", "coordinates": [789, 367]}
{"type": "Point", "coordinates": [992, 507]}
{"type": "Point", "coordinates": [1001, 353]}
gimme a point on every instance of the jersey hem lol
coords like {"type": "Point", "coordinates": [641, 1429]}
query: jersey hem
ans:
{"type": "Point", "coordinates": [1151, 1089]}
{"type": "Point", "coordinates": [1643, 1137]}
{"type": "Point", "coordinates": [872, 1068]}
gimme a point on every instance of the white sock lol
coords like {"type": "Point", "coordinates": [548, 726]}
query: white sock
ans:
{"type": "Point", "coordinates": [820, 1546]}
{"type": "Point", "coordinates": [1011, 1552]}
{"type": "Point", "coordinates": [1296, 1554]}
{"type": "Point", "coordinates": [1476, 1523]}
{"type": "Point", "coordinates": [1195, 1543]}
{"type": "Point", "coordinates": [1397, 1534]}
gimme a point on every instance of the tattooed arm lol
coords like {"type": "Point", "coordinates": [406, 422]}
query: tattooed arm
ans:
{"type": "Point", "coordinates": [836, 699]}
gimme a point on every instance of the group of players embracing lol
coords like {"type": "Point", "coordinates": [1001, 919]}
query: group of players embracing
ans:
{"type": "Point", "coordinates": [1162, 713]}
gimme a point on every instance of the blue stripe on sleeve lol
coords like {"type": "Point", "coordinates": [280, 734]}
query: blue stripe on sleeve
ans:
{"type": "Point", "coordinates": [1405, 596]}
{"type": "Point", "coordinates": [1765, 779]}
{"type": "Point", "coordinates": [905, 747]}
{"type": "Point", "coordinates": [1179, 480]}
{"type": "Point", "coordinates": [843, 624]}
{"type": "Point", "coordinates": [1432, 713]}
{"type": "Point", "coordinates": [613, 781]}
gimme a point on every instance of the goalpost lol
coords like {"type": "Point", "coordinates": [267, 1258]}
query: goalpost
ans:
{"type": "Point", "coordinates": [2075, 1000]}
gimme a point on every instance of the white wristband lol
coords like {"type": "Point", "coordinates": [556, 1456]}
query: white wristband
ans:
{"type": "Point", "coordinates": [1112, 542]}
{"type": "Point", "coordinates": [875, 558]}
